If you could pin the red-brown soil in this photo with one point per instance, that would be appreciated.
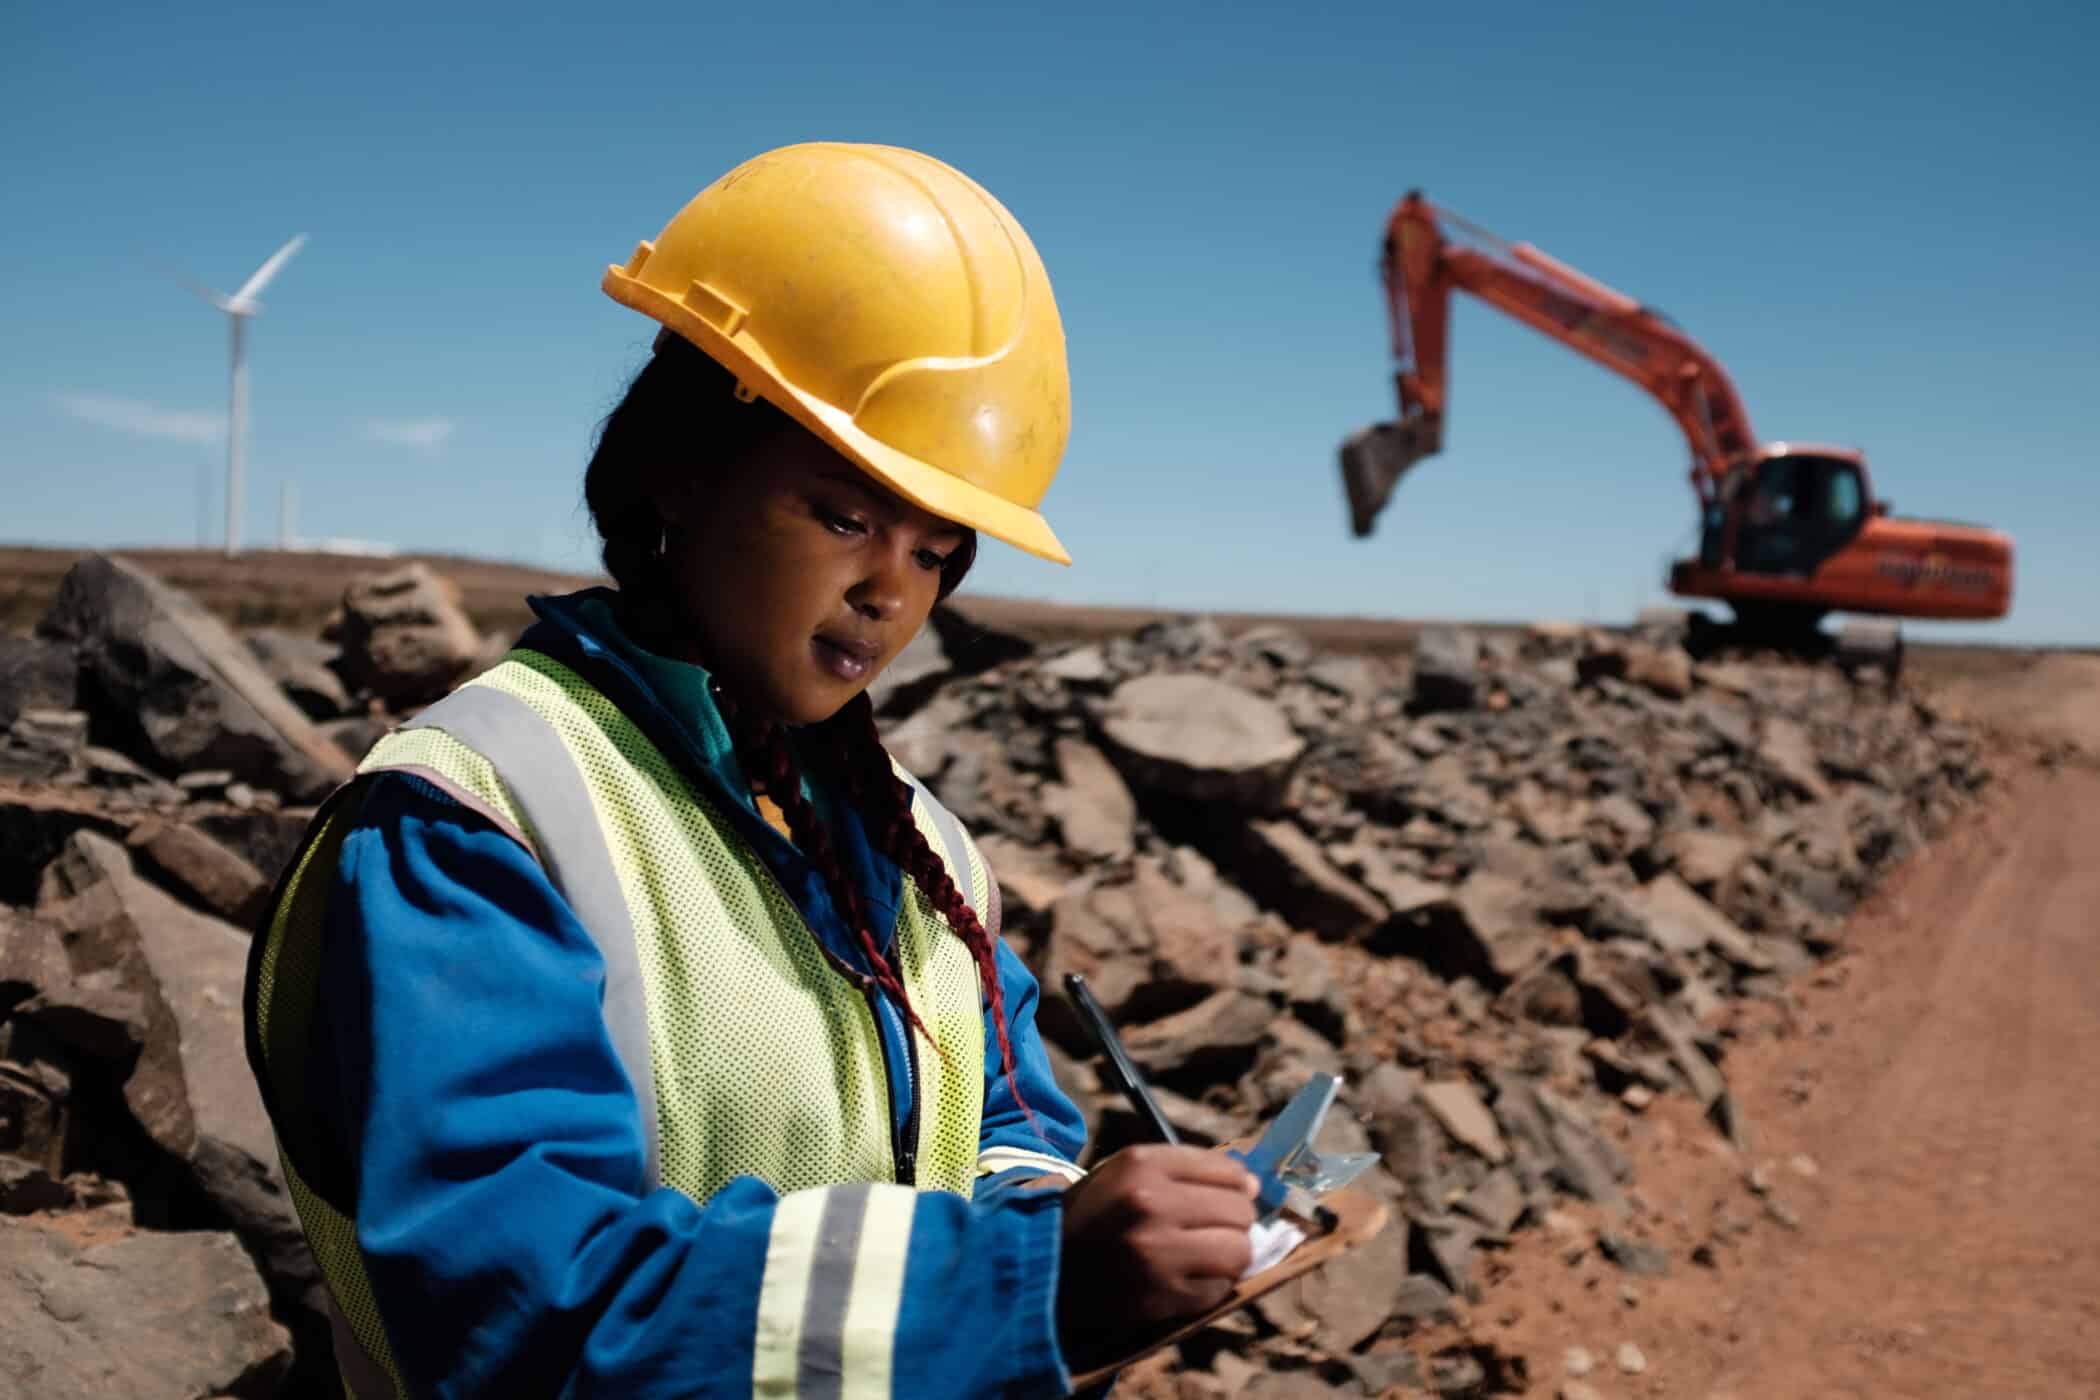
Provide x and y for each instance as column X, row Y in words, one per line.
column 1926, row 1137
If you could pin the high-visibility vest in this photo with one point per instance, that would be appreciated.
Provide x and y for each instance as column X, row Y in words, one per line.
column 750, row 1053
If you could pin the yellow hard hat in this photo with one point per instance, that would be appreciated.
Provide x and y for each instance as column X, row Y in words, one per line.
column 891, row 306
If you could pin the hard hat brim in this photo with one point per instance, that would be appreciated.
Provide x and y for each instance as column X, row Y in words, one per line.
column 922, row 483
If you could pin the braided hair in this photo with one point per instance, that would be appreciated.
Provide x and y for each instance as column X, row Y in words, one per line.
column 681, row 405
column 884, row 802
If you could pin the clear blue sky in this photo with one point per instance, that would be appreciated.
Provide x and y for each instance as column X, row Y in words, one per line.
column 1880, row 218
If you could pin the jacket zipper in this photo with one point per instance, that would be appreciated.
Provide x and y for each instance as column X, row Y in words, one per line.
column 904, row 1145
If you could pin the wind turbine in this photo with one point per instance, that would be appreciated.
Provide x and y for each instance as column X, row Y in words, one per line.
column 238, row 308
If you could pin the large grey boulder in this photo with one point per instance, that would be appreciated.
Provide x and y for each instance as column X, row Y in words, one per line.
column 177, row 689
column 1198, row 738
column 181, row 1314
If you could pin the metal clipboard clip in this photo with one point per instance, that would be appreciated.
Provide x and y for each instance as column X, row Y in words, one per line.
column 1293, row 1175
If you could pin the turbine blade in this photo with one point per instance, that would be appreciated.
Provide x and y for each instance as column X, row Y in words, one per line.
column 188, row 283
column 254, row 285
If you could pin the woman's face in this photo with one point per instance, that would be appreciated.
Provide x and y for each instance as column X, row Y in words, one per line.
column 800, row 577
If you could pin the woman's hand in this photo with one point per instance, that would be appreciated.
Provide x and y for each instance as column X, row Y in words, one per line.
column 1152, row 1234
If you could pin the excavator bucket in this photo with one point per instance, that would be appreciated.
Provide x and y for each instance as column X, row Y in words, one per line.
column 1373, row 461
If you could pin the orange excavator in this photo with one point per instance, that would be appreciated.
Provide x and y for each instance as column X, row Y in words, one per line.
column 1788, row 531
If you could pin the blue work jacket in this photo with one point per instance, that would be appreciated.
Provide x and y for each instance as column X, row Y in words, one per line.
column 461, row 1015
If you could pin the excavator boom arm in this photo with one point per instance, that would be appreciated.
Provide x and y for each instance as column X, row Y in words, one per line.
column 1429, row 252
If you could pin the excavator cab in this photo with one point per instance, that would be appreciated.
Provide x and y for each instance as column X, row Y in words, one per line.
column 1795, row 511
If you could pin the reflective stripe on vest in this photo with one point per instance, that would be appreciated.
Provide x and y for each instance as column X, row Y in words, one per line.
column 561, row 828
column 677, row 902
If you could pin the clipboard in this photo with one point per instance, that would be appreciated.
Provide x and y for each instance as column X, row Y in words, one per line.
column 1353, row 1218
column 1342, row 1219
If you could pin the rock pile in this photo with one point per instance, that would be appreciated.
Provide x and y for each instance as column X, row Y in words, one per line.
column 150, row 767
column 1510, row 892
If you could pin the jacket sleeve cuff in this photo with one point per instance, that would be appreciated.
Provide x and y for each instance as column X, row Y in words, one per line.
column 1042, row 1246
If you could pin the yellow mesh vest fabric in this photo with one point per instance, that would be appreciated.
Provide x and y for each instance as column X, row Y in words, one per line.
column 766, row 1060
column 440, row 753
column 288, row 975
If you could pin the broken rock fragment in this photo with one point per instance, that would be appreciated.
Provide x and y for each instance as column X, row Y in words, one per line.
column 1665, row 670
column 405, row 637
column 1487, row 929
column 1197, row 738
column 1289, row 871
column 1465, row 1117
column 1222, row 1030
column 1096, row 815
column 202, row 870
column 190, row 1090
column 177, row 1313
column 1446, row 669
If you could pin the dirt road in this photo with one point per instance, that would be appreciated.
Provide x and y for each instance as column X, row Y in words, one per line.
column 2051, row 697
column 1932, row 1123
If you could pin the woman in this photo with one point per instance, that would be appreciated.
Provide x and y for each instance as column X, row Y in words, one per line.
column 631, row 1025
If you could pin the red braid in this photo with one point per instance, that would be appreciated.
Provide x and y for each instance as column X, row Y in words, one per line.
column 775, row 762
column 884, row 801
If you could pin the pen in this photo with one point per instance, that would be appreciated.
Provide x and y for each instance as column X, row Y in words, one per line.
column 1120, row 1069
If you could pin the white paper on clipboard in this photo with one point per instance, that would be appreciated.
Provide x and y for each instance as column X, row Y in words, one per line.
column 1273, row 1242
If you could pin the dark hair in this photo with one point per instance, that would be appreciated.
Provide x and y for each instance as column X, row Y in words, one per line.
column 681, row 416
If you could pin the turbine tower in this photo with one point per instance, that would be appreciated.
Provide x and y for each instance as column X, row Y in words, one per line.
column 239, row 308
